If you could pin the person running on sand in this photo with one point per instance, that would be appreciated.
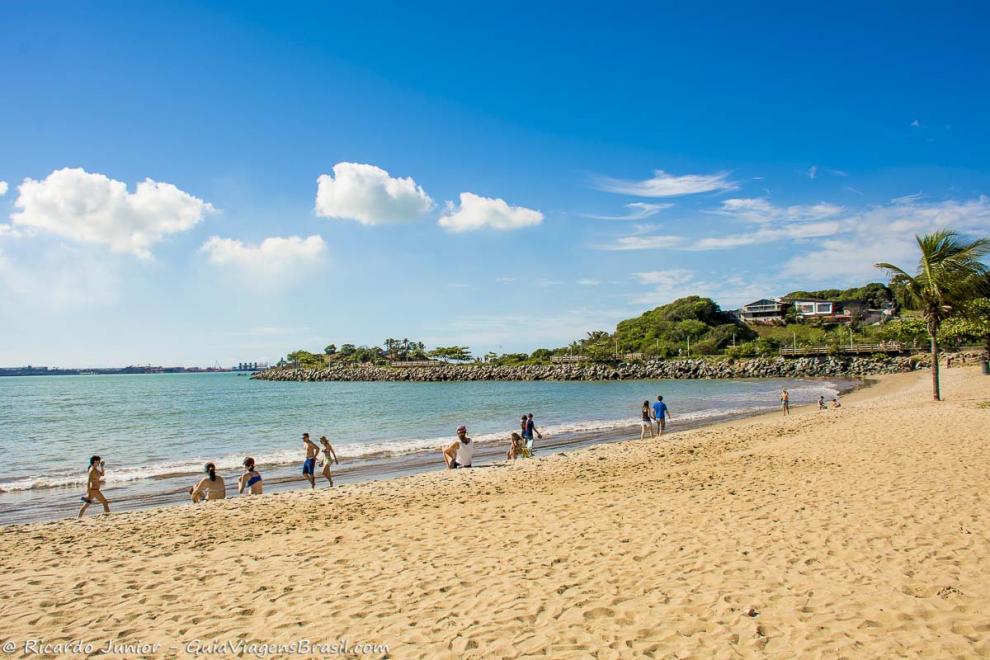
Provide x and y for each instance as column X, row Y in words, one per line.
column 94, row 480
column 516, row 448
column 209, row 487
column 329, row 456
column 460, row 453
column 661, row 414
column 251, row 479
column 646, row 423
column 309, row 465
column 785, row 401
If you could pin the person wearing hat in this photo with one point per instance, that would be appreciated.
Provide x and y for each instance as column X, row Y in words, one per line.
column 460, row 452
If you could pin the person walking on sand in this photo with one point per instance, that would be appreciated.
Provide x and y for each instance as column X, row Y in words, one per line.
column 530, row 431
column 251, row 479
column 460, row 452
column 94, row 481
column 646, row 423
column 785, row 401
column 661, row 414
column 209, row 487
column 309, row 465
column 329, row 456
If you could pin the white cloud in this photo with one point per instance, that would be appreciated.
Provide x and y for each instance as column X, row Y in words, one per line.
column 368, row 194
column 915, row 124
column 886, row 233
column 273, row 262
column 663, row 184
column 478, row 212
column 812, row 171
column 637, row 211
column 3, row 188
column 759, row 210
column 587, row 281
column 669, row 285
column 639, row 242
column 93, row 208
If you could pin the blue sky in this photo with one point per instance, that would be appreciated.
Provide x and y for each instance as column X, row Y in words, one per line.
column 476, row 165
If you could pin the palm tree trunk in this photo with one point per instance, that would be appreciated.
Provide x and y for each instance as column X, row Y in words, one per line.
column 936, row 391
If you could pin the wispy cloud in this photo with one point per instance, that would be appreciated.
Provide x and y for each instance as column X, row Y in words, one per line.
column 637, row 211
column 671, row 284
column 641, row 243
column 587, row 281
column 662, row 184
column 760, row 210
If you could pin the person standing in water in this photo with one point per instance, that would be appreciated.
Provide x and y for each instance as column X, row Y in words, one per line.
column 94, row 481
column 251, row 479
column 460, row 453
column 329, row 456
column 646, row 423
column 209, row 487
column 661, row 414
column 309, row 465
column 785, row 401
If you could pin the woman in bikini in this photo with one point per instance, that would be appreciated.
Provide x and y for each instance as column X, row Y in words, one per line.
column 209, row 487
column 94, row 481
column 329, row 456
column 251, row 479
column 646, row 421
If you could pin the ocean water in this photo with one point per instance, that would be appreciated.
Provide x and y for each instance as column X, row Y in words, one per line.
column 156, row 431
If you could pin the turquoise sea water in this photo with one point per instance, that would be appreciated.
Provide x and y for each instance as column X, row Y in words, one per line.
column 156, row 431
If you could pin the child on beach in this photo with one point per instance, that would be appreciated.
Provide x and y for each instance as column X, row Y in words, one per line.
column 94, row 480
column 516, row 448
column 309, row 465
column 785, row 401
column 209, row 487
column 329, row 456
column 836, row 404
column 251, row 479
column 821, row 403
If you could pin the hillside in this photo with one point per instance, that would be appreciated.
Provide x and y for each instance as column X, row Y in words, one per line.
column 876, row 294
column 666, row 330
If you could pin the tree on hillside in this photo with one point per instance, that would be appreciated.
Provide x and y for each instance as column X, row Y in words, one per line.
column 950, row 275
column 330, row 349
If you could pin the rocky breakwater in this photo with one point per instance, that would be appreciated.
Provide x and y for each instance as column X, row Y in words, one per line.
column 812, row 367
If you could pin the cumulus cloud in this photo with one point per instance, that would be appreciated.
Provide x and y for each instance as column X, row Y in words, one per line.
column 476, row 212
column 271, row 262
column 663, row 184
column 637, row 211
column 370, row 195
column 3, row 188
column 93, row 208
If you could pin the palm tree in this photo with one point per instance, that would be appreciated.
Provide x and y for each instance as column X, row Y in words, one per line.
column 950, row 274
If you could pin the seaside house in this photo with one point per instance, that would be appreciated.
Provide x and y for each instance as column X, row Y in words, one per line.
column 763, row 311
column 834, row 311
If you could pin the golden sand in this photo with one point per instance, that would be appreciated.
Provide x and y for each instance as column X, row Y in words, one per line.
column 859, row 532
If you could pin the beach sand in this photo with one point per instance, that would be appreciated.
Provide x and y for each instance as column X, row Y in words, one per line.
column 858, row 532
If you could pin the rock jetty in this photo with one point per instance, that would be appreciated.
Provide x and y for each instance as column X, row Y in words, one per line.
column 776, row 367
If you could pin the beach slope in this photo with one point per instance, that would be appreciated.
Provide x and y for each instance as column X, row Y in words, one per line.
column 863, row 531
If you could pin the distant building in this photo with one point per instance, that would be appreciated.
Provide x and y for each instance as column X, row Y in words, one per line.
column 763, row 311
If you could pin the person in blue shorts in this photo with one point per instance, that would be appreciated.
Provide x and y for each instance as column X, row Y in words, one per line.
column 661, row 415
column 309, row 465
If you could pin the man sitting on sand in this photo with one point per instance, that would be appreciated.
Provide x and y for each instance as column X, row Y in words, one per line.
column 460, row 453
column 661, row 414
column 209, row 487
column 309, row 465
column 251, row 479
column 94, row 480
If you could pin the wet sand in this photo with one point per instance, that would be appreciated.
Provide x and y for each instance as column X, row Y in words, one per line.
column 858, row 532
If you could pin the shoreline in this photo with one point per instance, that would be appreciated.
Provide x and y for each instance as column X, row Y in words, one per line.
column 170, row 489
column 811, row 534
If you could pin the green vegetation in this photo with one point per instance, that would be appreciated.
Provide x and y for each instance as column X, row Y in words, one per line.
column 692, row 325
column 876, row 295
column 950, row 277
